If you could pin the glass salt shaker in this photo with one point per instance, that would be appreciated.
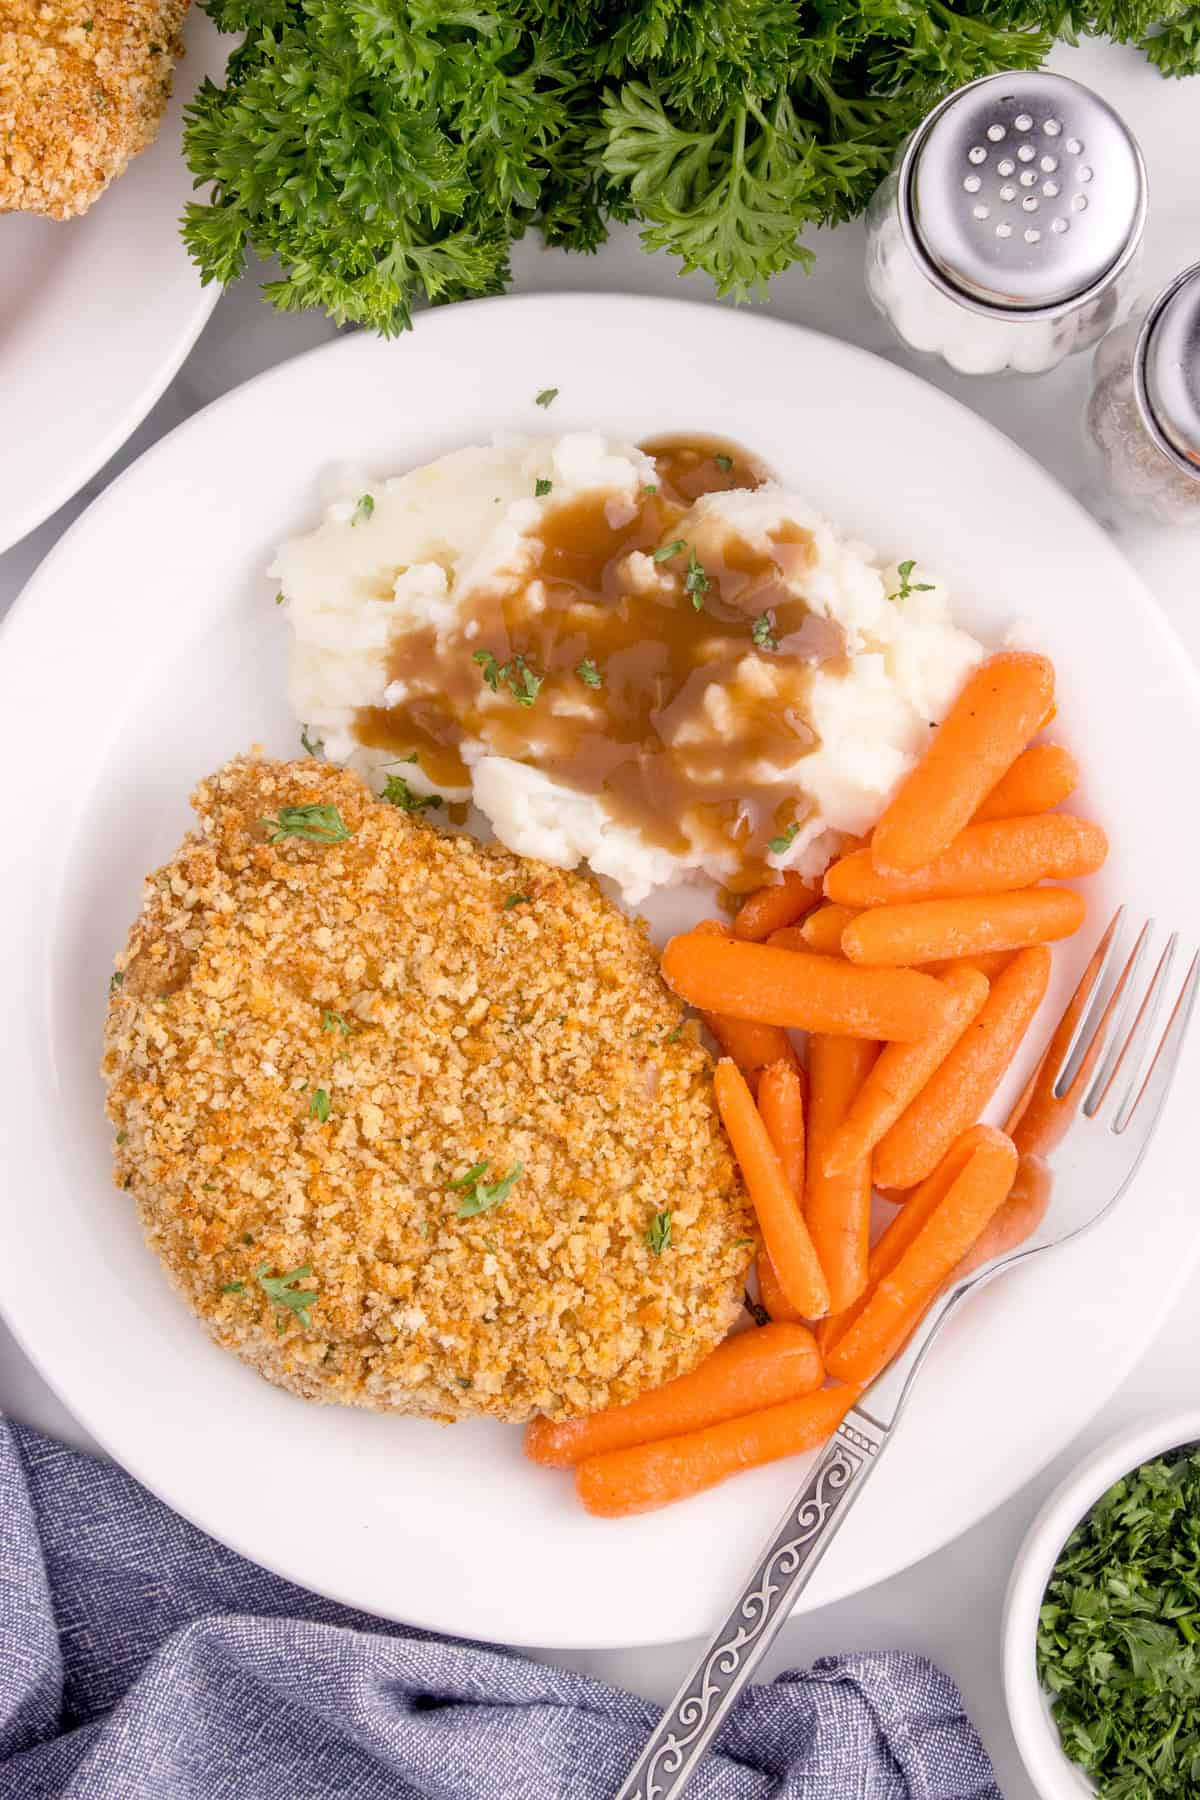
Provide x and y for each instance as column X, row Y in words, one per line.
column 1143, row 413
column 1007, row 236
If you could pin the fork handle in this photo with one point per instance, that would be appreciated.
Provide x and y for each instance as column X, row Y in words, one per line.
column 778, row 1577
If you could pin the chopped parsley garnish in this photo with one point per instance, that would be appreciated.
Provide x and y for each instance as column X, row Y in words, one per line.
column 673, row 1037
column 650, row 487
column 116, row 981
column 280, row 597
column 318, row 824
column 318, row 1106
column 696, row 581
column 282, row 1292
column 740, row 1243
column 541, row 487
column 307, row 744
column 491, row 669
column 480, row 1196
column 907, row 585
column 764, row 632
column 1118, row 1644
column 588, row 673
column 666, row 551
column 724, row 463
column 364, row 506
column 778, row 846
column 547, row 397
column 658, row 1233
column 398, row 793
column 516, row 900
column 234, row 1287
column 334, row 1021
column 516, row 675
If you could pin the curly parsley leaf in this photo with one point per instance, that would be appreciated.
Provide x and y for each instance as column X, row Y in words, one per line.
column 779, row 846
column 763, row 633
column 658, row 1233
column 479, row 1196
column 316, row 824
column 907, row 584
column 397, row 792
column 285, row 1296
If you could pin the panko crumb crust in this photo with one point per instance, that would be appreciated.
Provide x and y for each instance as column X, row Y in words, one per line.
column 83, row 87
column 457, row 1005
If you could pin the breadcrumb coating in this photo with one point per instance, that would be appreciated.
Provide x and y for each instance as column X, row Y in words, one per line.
column 455, row 1005
column 83, row 87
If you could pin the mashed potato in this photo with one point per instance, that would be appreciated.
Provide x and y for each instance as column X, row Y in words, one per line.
column 782, row 683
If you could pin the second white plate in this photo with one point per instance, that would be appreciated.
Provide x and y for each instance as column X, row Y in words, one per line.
column 97, row 313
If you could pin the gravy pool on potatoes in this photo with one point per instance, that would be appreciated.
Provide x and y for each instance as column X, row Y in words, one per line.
column 621, row 658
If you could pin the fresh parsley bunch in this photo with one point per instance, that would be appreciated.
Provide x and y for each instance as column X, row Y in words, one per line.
column 389, row 151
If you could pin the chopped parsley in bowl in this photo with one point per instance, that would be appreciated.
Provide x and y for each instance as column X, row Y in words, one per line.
column 1102, row 1622
column 1118, row 1645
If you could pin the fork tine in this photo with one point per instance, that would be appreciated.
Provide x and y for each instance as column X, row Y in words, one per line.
column 1076, row 1014
column 1158, row 1076
column 1124, row 994
column 1133, row 1049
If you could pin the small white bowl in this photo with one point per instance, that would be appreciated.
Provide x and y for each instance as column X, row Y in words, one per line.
column 1053, row 1774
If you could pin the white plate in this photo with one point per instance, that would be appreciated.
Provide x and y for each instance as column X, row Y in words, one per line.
column 147, row 649
column 97, row 313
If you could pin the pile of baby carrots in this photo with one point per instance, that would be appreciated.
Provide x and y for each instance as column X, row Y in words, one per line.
column 916, row 971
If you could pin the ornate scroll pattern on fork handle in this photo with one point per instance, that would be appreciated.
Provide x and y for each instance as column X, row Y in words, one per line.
column 781, row 1572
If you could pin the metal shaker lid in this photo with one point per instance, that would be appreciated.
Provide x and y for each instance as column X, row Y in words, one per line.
column 1022, row 193
column 1167, row 370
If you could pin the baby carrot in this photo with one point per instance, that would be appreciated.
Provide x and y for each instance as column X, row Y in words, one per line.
column 770, row 908
column 957, row 1093
column 1041, row 777
column 986, row 858
column 779, row 1218
column 902, row 1230
column 1003, row 704
column 814, row 993
column 781, row 1103
column 899, row 1075
column 771, row 1296
column 822, row 931
column 1017, row 1219
column 989, row 963
column 756, row 1368
column 837, row 1208
column 902, row 1295
column 651, row 1475
column 751, row 1045
column 923, row 931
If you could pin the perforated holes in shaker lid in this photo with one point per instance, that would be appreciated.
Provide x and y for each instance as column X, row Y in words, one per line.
column 1167, row 371
column 1022, row 193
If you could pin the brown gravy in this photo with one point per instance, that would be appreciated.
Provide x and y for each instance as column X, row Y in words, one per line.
column 657, row 635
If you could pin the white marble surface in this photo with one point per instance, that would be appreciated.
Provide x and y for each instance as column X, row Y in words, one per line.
column 949, row 1606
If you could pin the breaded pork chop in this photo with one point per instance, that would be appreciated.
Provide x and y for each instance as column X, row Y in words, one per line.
column 83, row 88
column 412, row 1123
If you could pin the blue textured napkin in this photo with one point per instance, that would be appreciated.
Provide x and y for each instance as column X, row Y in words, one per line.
column 140, row 1660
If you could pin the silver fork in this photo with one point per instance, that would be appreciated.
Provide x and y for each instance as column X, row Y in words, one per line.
column 1116, row 1097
